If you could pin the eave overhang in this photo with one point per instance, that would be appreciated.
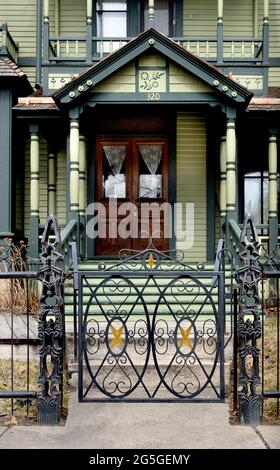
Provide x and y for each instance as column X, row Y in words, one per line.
column 226, row 89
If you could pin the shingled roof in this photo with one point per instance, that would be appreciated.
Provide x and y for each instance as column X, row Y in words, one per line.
column 8, row 68
column 16, row 78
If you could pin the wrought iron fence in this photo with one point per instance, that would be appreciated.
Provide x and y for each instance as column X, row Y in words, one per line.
column 151, row 329
column 19, row 344
column 31, row 377
column 256, row 391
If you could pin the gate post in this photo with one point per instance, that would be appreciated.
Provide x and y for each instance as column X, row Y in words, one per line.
column 249, row 326
column 50, row 328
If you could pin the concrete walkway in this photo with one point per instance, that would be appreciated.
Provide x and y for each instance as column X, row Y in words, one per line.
column 146, row 426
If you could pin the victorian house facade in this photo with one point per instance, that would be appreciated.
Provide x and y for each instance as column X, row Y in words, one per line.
column 141, row 101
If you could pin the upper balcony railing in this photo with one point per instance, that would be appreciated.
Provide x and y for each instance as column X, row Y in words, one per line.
column 7, row 44
column 77, row 49
column 218, row 49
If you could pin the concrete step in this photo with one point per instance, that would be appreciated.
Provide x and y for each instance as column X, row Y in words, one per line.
column 184, row 380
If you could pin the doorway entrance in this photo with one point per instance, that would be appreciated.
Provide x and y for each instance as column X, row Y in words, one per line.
column 132, row 178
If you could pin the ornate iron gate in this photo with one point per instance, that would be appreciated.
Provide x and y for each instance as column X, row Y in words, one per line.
column 151, row 329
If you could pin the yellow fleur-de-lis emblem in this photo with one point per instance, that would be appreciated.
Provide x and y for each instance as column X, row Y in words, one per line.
column 117, row 340
column 151, row 262
column 185, row 340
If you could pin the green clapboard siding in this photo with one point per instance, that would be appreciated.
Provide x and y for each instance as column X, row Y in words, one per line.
column 181, row 81
column 43, row 195
column 20, row 15
column 121, row 81
column 274, row 9
column 274, row 49
column 191, row 177
column 73, row 17
column 61, row 189
column 200, row 18
column 274, row 76
column 31, row 74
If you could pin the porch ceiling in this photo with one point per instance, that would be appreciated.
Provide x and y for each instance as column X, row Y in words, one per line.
column 222, row 88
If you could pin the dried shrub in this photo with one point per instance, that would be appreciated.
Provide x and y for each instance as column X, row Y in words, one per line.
column 19, row 295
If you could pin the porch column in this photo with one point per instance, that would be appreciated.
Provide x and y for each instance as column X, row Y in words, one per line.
column 223, row 181
column 151, row 13
column 82, row 195
column 266, row 32
column 46, row 11
column 74, row 166
column 82, row 176
column 34, row 191
column 256, row 18
column 89, row 31
column 272, row 190
column 231, row 168
column 51, row 183
column 220, row 32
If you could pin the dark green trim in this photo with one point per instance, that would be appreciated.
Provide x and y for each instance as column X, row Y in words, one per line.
column 133, row 13
column 39, row 41
column 220, row 43
column 5, row 159
column 91, row 152
column 152, row 40
column 165, row 97
column 172, row 172
column 68, row 212
column 33, row 241
column 210, row 187
column 274, row 62
column 179, row 17
column 89, row 44
column 266, row 43
column 27, row 61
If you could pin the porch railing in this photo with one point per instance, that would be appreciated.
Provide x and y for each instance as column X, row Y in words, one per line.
column 79, row 49
column 7, row 44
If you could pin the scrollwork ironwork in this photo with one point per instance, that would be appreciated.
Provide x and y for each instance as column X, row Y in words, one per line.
column 249, row 325
column 151, row 335
column 50, row 327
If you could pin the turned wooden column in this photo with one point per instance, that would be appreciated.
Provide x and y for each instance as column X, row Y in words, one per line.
column 223, row 180
column 34, row 191
column 231, row 168
column 51, row 182
column 74, row 165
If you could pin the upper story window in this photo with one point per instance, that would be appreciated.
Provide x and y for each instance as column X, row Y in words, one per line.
column 162, row 18
column 127, row 18
column 111, row 18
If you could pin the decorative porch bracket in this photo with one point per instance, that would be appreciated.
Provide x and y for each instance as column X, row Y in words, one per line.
column 249, row 326
column 50, row 327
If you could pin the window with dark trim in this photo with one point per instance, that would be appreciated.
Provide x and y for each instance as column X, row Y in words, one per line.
column 163, row 16
column 256, row 195
column 127, row 18
column 111, row 18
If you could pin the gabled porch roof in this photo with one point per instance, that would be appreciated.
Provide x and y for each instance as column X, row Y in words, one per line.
column 151, row 41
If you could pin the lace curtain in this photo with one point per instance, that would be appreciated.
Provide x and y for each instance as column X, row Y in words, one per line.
column 114, row 185
column 151, row 185
column 115, row 156
column 152, row 156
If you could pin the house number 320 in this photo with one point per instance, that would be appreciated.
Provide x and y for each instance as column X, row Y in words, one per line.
column 153, row 96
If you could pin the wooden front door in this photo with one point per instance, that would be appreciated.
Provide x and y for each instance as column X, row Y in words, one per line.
column 131, row 170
